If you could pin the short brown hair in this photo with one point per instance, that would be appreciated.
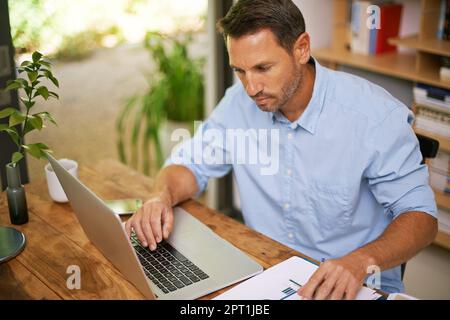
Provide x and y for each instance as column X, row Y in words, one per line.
column 282, row 17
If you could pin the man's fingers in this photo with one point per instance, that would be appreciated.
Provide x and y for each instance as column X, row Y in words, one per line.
column 136, row 224
column 167, row 222
column 128, row 227
column 155, row 222
column 307, row 291
column 339, row 289
column 327, row 286
column 151, row 223
column 352, row 290
column 147, row 229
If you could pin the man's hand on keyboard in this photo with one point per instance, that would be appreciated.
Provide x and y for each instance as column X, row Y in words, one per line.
column 152, row 222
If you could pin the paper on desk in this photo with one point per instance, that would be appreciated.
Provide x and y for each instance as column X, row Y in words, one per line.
column 281, row 282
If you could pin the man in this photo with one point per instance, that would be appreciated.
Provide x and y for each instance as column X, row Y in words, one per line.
column 349, row 189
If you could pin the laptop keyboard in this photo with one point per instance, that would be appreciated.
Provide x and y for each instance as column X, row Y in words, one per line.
column 166, row 267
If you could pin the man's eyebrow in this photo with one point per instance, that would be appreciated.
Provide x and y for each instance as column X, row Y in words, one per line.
column 261, row 64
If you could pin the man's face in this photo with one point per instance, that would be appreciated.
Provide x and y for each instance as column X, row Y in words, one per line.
column 267, row 71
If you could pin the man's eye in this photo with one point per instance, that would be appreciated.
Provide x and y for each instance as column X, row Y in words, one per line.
column 263, row 68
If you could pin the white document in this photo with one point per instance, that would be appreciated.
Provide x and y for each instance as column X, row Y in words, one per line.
column 281, row 282
column 400, row 296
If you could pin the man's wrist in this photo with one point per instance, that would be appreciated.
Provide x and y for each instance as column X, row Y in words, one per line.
column 162, row 195
column 366, row 260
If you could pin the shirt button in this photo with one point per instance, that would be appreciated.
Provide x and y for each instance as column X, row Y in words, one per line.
column 290, row 235
column 290, row 136
column 286, row 206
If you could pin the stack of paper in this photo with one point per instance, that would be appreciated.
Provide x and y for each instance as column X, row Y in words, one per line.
column 281, row 282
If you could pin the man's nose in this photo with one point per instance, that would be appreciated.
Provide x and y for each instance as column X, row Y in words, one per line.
column 253, row 87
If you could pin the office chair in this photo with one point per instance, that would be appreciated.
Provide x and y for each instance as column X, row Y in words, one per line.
column 428, row 148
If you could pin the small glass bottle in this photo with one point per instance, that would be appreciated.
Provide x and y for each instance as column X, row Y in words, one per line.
column 15, row 192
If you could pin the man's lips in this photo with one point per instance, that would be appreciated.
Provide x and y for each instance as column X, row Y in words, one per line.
column 262, row 99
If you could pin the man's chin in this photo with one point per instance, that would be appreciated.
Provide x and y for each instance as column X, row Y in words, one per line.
column 267, row 107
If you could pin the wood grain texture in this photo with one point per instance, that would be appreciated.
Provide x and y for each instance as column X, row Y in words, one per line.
column 49, row 252
column 18, row 283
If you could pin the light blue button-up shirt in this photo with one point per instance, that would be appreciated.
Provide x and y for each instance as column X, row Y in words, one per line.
column 337, row 176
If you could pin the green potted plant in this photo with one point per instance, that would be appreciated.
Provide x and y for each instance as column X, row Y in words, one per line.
column 174, row 99
column 18, row 124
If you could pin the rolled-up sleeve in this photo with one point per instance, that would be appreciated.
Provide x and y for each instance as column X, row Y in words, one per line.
column 205, row 154
column 395, row 174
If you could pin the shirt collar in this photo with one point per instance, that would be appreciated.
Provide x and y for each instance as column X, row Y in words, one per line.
column 310, row 117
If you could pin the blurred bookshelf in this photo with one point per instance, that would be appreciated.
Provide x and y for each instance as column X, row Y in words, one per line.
column 420, row 64
column 442, row 199
column 391, row 64
column 444, row 142
column 433, row 46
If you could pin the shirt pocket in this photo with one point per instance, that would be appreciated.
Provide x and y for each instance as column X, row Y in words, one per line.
column 331, row 206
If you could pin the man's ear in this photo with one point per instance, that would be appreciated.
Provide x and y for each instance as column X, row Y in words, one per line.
column 302, row 50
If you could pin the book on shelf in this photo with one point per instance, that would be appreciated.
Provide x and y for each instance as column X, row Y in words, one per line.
column 390, row 17
column 444, row 72
column 432, row 121
column 432, row 127
column 439, row 169
column 443, row 19
column 366, row 39
column 432, row 96
column 432, row 112
column 446, row 32
column 360, row 33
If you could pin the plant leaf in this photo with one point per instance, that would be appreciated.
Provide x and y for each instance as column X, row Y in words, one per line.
column 37, row 150
column 16, row 157
column 13, row 134
column 43, row 146
column 46, row 63
column 27, row 103
column 28, row 128
column 43, row 91
column 32, row 76
column 25, row 63
column 53, row 94
column 23, row 82
column 36, row 56
column 7, row 112
column 36, row 122
column 46, row 116
column 54, row 80
column 13, row 85
column 120, row 126
column 16, row 118
column 49, row 75
column 33, row 150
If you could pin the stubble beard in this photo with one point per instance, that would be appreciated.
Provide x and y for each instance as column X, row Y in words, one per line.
column 288, row 90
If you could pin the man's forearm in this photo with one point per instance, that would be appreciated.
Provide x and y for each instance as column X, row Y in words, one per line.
column 174, row 184
column 402, row 239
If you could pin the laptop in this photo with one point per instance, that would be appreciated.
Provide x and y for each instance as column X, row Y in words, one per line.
column 192, row 262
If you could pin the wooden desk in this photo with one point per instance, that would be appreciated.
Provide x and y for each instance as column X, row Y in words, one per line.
column 56, row 241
